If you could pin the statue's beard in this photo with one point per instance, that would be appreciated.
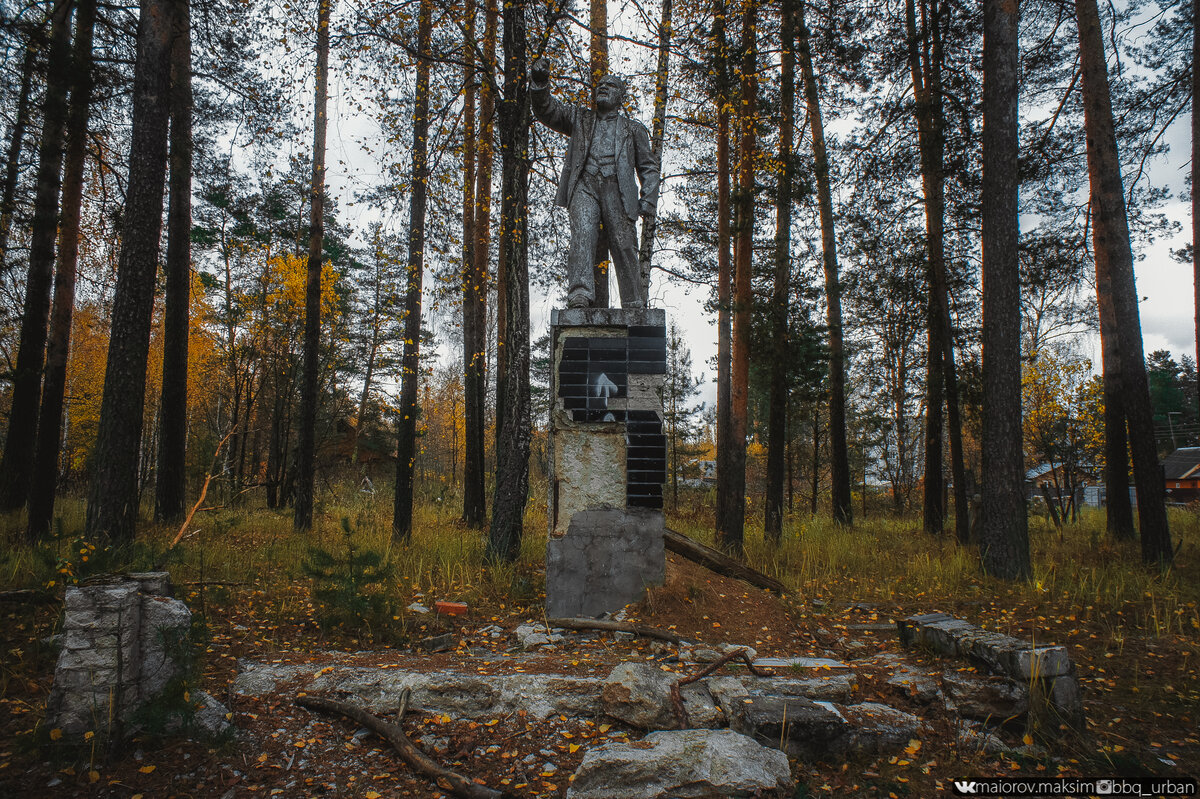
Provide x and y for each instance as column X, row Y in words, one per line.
column 604, row 106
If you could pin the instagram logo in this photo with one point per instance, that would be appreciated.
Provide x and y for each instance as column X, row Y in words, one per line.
column 1104, row 786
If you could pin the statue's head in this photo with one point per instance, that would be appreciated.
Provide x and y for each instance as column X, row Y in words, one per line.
column 610, row 93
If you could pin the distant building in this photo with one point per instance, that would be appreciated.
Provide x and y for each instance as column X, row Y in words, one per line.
column 1181, row 474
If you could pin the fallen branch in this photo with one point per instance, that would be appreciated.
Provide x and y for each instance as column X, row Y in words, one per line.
column 28, row 596
column 203, row 492
column 733, row 654
column 206, row 583
column 408, row 751
column 615, row 627
column 718, row 562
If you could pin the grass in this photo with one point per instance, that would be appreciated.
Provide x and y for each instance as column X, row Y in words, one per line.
column 1133, row 631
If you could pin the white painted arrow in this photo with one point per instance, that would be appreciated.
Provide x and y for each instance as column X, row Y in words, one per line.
column 605, row 387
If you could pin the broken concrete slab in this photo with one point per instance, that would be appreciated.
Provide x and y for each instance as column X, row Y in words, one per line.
column 685, row 764
column 976, row 696
column 639, row 694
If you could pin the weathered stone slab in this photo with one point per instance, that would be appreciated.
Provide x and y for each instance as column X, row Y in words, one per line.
column 1001, row 653
column 876, row 728
column 985, row 698
column 604, row 562
column 806, row 729
column 639, row 694
column 800, row 663
column 454, row 693
column 607, row 317
column 821, row 730
column 688, row 764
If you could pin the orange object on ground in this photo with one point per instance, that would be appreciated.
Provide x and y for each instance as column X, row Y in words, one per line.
column 450, row 608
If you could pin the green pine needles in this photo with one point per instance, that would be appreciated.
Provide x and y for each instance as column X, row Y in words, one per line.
column 348, row 585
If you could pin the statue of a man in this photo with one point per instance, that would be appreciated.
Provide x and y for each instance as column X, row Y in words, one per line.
column 607, row 157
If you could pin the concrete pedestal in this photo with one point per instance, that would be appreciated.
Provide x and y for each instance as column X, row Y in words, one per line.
column 608, row 458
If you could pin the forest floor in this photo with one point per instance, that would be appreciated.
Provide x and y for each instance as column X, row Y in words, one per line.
column 1133, row 634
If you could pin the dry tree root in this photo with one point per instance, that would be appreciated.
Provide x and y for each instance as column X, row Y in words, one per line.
column 616, row 627
column 677, row 698
column 408, row 751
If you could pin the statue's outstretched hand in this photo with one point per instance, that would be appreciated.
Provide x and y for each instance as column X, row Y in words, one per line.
column 540, row 71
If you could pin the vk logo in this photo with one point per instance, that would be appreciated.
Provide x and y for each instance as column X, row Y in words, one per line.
column 964, row 787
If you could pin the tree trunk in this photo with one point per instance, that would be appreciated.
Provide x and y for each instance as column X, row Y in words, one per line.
column 49, row 431
column 483, row 227
column 1195, row 182
column 731, row 537
column 474, row 295
column 1118, row 507
column 306, row 450
column 927, row 90
column 816, row 457
column 728, row 511
column 171, row 485
column 1003, row 531
column 657, row 132
column 373, row 351
column 406, row 445
column 31, row 351
column 12, row 170
column 777, row 414
column 1110, row 241
column 839, row 456
column 113, row 495
column 513, row 436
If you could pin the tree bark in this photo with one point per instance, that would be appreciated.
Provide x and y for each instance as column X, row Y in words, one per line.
column 731, row 537
column 839, row 456
column 113, row 495
column 777, row 413
column 406, row 446
column 46, row 457
column 16, row 143
column 306, row 450
column 474, row 290
column 657, row 132
column 483, row 214
column 21, row 440
column 1195, row 183
column 927, row 91
column 513, row 437
column 1118, row 507
column 171, row 479
column 1003, row 531
column 728, row 512
column 1110, row 241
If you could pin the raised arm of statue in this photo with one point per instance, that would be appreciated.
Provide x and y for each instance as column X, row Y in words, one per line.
column 552, row 113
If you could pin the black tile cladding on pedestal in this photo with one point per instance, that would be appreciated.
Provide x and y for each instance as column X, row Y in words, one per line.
column 594, row 370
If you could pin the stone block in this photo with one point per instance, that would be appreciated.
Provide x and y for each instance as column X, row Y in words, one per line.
column 942, row 636
column 1040, row 662
column 803, row 728
column 604, row 562
column 607, row 317
column 876, row 728
column 153, row 583
column 1067, row 700
column 166, row 624
column 639, row 694
column 688, row 764
column 985, row 698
